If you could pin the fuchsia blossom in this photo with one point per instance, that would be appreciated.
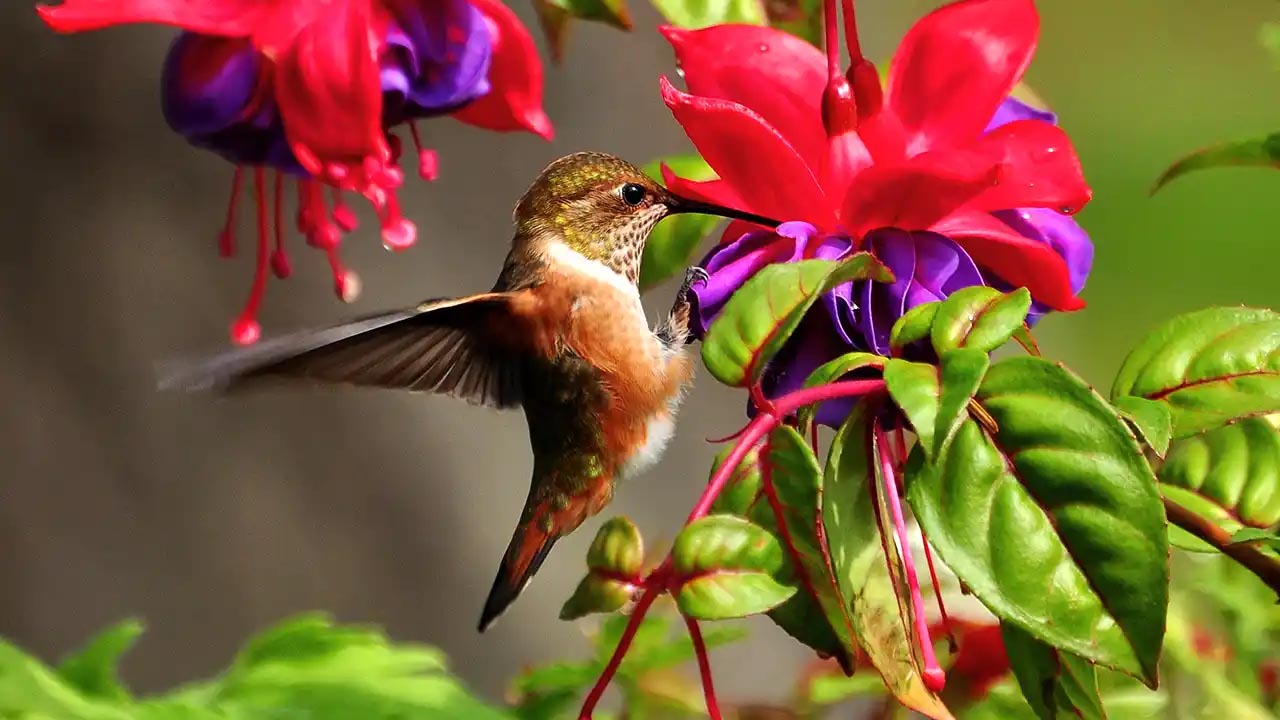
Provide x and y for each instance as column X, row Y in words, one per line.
column 948, row 179
column 312, row 89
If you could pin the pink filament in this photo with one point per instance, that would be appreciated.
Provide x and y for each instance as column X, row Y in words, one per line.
column 246, row 330
column 428, row 161
column 280, row 258
column 343, row 215
column 934, row 678
column 227, row 238
column 937, row 593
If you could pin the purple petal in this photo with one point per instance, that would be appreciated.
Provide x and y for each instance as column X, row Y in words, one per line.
column 1063, row 234
column 813, row 344
column 729, row 266
column 208, row 95
column 437, row 57
column 927, row 267
column 1014, row 109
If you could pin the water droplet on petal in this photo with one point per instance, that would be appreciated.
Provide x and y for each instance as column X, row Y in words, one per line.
column 764, row 48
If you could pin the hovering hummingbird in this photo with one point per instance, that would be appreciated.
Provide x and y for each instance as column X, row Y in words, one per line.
column 561, row 334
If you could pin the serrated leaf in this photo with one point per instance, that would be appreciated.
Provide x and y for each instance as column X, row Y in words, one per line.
column 1254, row 535
column 978, row 317
column 830, row 372
column 704, row 13
column 555, row 15
column 1151, row 419
column 793, row 473
column 1254, row 152
column 1210, row 367
column 762, row 314
column 936, row 399
column 915, row 325
column 1052, row 681
column 93, row 670
column 1055, row 523
column 1230, row 475
column 672, row 243
column 883, row 625
column 725, row 567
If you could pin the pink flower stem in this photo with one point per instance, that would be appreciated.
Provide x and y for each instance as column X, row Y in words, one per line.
column 658, row 581
column 704, row 667
column 851, row 33
column 934, row 678
column 831, row 39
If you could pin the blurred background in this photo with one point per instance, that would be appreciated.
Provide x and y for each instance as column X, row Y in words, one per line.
column 212, row 518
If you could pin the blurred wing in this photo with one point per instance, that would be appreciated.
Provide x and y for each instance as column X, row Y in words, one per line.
column 465, row 347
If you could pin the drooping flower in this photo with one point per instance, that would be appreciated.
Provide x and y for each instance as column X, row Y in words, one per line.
column 313, row 89
column 939, row 172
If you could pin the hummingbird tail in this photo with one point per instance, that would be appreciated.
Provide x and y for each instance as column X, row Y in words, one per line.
column 529, row 547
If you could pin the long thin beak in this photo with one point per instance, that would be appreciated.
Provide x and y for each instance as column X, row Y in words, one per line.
column 677, row 204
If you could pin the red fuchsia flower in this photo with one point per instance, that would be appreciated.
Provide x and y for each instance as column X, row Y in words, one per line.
column 939, row 172
column 313, row 88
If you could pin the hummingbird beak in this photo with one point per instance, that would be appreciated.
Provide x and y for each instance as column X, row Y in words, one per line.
column 676, row 204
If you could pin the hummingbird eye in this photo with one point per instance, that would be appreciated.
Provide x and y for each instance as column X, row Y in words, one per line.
column 632, row 194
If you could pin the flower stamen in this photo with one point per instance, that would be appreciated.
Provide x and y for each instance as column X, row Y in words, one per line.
column 952, row 646
column 227, row 238
column 280, row 259
column 428, row 161
column 343, row 215
column 246, row 330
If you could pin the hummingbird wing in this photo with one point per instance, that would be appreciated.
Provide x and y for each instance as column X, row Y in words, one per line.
column 465, row 347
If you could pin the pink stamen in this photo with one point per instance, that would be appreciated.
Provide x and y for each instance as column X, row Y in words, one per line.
column 937, row 593
column 246, row 330
column 280, row 259
column 934, row 678
column 398, row 233
column 346, row 283
column 704, row 667
column 343, row 215
column 428, row 161
column 851, row 32
column 320, row 231
column 227, row 238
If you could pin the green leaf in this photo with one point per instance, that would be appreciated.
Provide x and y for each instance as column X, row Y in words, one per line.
column 1151, row 419
column 93, row 670
column 1210, row 367
column 796, row 480
column 1055, row 523
column 596, row 594
column 726, row 567
column 830, row 372
column 1255, row 152
column 936, row 399
column 1270, row 37
column 704, row 13
column 1254, row 535
column 672, row 243
column 764, row 312
column 312, row 668
column 915, row 325
column 555, row 15
column 30, row 690
column 1052, row 681
column 742, row 492
column 883, row 625
column 979, row 317
column 1230, row 475
column 829, row 689
column 613, row 567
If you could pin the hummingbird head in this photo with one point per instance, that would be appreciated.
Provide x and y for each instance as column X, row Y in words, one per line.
column 603, row 207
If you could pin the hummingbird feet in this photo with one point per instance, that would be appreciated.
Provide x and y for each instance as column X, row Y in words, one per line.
column 674, row 331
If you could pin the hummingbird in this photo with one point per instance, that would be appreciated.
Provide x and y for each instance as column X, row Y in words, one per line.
column 562, row 334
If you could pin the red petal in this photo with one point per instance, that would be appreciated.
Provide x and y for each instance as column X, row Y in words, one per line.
column 1038, row 168
column 515, row 100
column 1018, row 260
column 773, row 73
column 915, row 194
column 956, row 65
column 328, row 89
column 749, row 154
column 716, row 192
column 232, row 18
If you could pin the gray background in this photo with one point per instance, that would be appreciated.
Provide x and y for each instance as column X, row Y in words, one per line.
column 210, row 519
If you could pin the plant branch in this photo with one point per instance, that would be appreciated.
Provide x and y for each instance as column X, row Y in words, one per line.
column 760, row 426
column 1265, row 566
column 704, row 666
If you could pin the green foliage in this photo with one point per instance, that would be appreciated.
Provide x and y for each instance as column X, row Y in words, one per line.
column 832, row 371
column 1255, row 152
column 702, row 13
column 1054, row 682
column 673, row 242
column 304, row 667
column 726, row 567
column 979, row 317
column 763, row 313
column 1230, row 476
column 1151, row 419
column 613, row 567
column 1054, row 520
column 1209, row 367
column 555, row 17
column 936, row 399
